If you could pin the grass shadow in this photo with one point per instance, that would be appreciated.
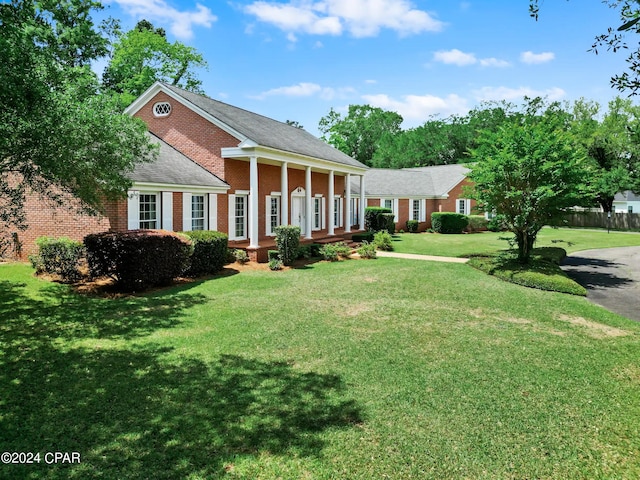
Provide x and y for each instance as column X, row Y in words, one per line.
column 593, row 273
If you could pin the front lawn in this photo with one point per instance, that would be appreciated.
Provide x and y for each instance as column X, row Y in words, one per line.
column 570, row 239
column 386, row 368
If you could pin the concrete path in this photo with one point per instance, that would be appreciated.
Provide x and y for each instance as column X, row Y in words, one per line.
column 414, row 256
column 611, row 277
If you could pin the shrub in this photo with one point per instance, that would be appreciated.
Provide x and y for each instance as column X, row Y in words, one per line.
column 273, row 255
column 362, row 237
column 477, row 223
column 138, row 259
column 497, row 224
column 332, row 251
column 383, row 241
column 374, row 220
column 58, row 256
column 209, row 252
column 390, row 224
column 412, row 226
column 288, row 241
column 367, row 250
column 449, row 222
column 275, row 264
column 240, row 256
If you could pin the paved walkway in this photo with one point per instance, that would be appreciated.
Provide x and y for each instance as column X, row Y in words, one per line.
column 414, row 256
column 611, row 277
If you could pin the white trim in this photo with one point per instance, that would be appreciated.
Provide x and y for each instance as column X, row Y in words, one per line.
column 267, row 213
column 177, row 188
column 467, row 205
column 159, row 105
column 232, row 217
column 186, row 212
column 133, row 210
column 167, row 211
column 213, row 211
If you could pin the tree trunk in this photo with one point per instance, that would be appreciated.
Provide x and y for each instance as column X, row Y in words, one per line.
column 606, row 203
column 525, row 242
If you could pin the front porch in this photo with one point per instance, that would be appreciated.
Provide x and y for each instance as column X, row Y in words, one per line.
column 260, row 254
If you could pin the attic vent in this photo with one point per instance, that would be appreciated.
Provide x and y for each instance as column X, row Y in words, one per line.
column 161, row 109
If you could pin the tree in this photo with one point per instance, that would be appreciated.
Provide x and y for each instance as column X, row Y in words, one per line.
column 144, row 55
column 57, row 134
column 530, row 171
column 615, row 39
column 360, row 132
column 612, row 147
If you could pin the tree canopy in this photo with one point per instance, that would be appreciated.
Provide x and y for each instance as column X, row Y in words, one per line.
column 530, row 170
column 57, row 133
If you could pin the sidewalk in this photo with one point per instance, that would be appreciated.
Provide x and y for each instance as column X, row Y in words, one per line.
column 430, row 258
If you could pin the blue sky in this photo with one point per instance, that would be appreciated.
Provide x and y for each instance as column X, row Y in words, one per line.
column 296, row 59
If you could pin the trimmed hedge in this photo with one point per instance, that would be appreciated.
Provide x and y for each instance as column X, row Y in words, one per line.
column 477, row 223
column 138, row 259
column 412, row 226
column 374, row 219
column 448, row 222
column 288, row 241
column 362, row 237
column 209, row 252
column 388, row 219
column 58, row 256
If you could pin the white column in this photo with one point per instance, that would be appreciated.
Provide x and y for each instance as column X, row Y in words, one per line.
column 347, row 199
column 363, row 201
column 284, row 191
column 253, row 202
column 308, row 217
column 332, row 227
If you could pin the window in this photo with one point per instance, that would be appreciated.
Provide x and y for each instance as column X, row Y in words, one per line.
column 197, row 212
column 630, row 209
column 462, row 206
column 273, row 213
column 148, row 211
column 388, row 203
column 391, row 204
column 161, row 109
column 337, row 212
column 415, row 210
column 317, row 213
column 240, row 216
column 355, row 212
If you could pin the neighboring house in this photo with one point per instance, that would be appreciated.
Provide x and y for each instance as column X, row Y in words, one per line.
column 415, row 193
column 626, row 202
column 223, row 168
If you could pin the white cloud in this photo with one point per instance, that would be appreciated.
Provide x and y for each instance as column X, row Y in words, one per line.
column 306, row 89
column 494, row 62
column 420, row 107
column 534, row 58
column 455, row 57
column 506, row 93
column 462, row 59
column 180, row 23
column 361, row 18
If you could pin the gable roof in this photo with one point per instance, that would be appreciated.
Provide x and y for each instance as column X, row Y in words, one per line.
column 264, row 131
column 430, row 182
column 174, row 168
column 626, row 196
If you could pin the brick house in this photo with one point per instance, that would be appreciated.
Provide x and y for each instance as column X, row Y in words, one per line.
column 415, row 193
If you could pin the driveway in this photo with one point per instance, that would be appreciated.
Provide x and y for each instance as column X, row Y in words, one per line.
column 611, row 277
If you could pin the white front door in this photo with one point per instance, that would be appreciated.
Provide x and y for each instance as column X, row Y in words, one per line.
column 298, row 212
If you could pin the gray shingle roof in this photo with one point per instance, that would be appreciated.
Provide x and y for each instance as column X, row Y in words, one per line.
column 428, row 182
column 172, row 167
column 627, row 196
column 265, row 131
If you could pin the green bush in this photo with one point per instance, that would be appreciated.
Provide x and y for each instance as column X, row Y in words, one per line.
column 477, row 223
column 240, row 256
column 449, row 222
column 362, row 237
column 390, row 224
column 273, row 255
column 383, row 241
column 374, row 220
column 412, row 226
column 367, row 250
column 138, row 259
column 209, row 252
column 288, row 241
column 332, row 251
column 275, row 264
column 497, row 224
column 58, row 256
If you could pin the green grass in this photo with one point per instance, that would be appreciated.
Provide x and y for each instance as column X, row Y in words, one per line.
column 358, row 369
column 571, row 240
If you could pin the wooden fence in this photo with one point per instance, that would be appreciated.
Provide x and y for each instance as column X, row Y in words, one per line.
column 618, row 221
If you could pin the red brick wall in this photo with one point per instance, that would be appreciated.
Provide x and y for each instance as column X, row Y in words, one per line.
column 189, row 133
column 449, row 204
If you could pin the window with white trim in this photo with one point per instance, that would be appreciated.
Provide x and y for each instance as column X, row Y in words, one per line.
column 462, row 206
column 417, row 209
column 161, row 109
column 388, row 203
column 273, row 218
column 630, row 209
column 355, row 211
column 240, row 217
column 317, row 213
column 148, row 215
column 198, row 212
column 337, row 212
